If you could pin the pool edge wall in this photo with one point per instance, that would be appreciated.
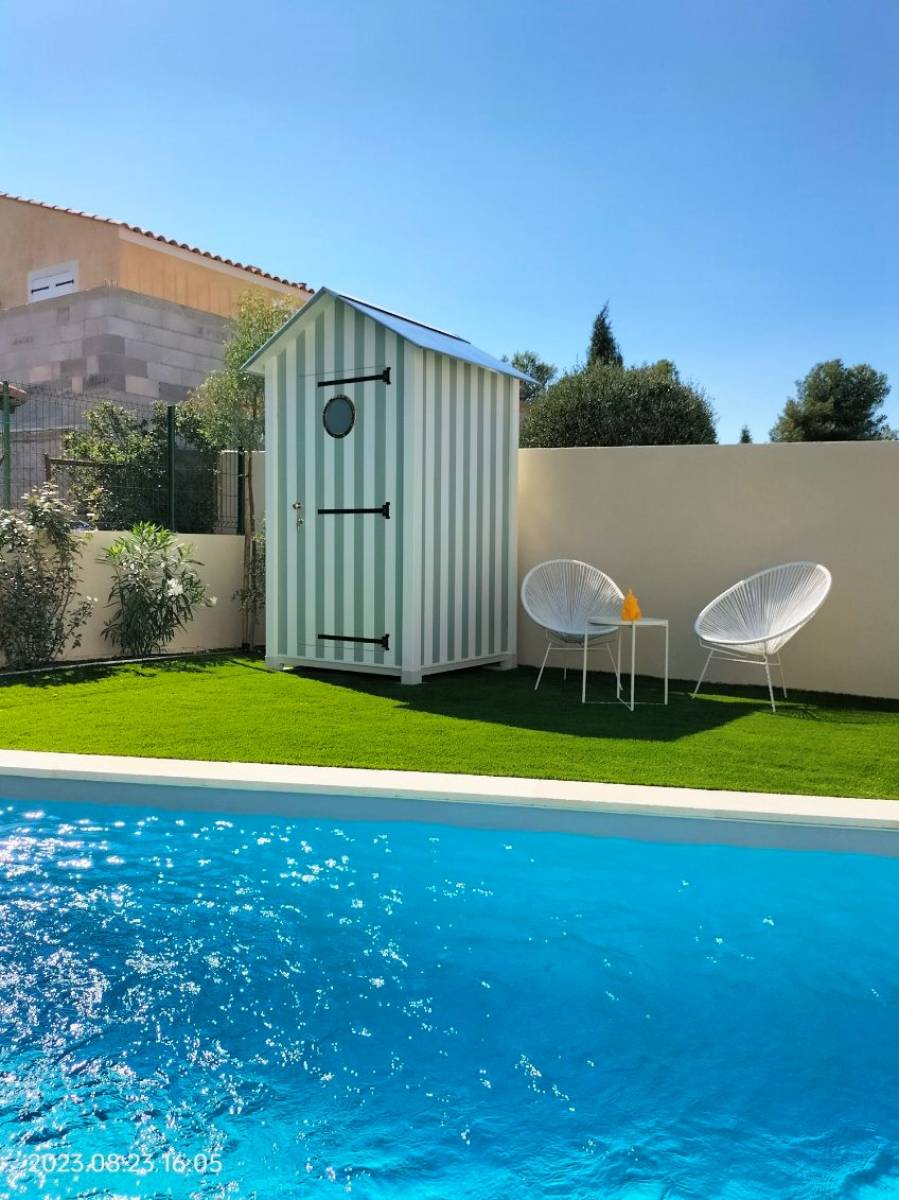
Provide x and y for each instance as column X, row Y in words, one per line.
column 478, row 802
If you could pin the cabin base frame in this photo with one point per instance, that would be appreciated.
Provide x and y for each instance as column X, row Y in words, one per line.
column 409, row 676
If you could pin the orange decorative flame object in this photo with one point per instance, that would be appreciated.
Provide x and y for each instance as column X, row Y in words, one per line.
column 630, row 609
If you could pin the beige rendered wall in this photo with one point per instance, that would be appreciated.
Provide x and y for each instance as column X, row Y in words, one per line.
column 33, row 237
column 213, row 628
column 679, row 524
column 157, row 270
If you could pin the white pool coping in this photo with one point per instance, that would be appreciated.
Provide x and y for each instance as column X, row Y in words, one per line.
column 569, row 796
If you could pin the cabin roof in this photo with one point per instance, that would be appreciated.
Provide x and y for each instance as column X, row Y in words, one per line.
column 428, row 337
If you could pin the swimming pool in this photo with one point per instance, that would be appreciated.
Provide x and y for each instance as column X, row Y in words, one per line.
column 203, row 1005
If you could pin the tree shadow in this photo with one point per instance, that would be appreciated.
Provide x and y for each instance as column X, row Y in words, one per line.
column 507, row 698
column 57, row 676
column 48, row 677
column 835, row 708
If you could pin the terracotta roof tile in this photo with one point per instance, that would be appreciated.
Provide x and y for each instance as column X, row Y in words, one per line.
column 158, row 237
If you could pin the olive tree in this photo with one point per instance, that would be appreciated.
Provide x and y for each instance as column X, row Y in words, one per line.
column 230, row 407
column 531, row 364
column 608, row 405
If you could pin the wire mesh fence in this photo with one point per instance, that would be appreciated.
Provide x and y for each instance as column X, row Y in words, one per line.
column 117, row 461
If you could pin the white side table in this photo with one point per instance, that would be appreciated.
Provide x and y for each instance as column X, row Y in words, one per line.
column 644, row 622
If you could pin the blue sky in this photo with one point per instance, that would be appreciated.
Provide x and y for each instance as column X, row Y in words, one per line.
column 724, row 172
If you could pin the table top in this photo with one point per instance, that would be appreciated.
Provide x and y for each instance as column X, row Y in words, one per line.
column 621, row 621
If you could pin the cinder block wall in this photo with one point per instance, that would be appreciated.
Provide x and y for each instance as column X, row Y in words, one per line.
column 112, row 342
column 679, row 524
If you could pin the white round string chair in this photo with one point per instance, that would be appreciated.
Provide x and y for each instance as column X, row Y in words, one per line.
column 565, row 597
column 753, row 620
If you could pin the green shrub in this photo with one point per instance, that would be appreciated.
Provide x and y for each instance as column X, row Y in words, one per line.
column 608, row 405
column 155, row 589
column 836, row 403
column 121, row 468
column 41, row 610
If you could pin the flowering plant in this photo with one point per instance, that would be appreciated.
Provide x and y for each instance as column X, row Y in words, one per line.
column 41, row 610
column 155, row 589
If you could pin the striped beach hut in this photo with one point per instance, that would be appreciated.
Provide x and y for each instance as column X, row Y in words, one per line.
column 390, row 494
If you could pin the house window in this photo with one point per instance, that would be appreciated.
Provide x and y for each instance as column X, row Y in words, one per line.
column 46, row 282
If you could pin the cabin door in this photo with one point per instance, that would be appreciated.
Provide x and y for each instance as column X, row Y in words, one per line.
column 347, row 508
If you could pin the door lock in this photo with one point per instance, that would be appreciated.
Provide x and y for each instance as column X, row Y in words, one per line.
column 297, row 507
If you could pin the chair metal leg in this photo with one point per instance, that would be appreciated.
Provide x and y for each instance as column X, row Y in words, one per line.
column 542, row 665
column 770, row 687
column 783, row 682
column 702, row 676
column 618, row 665
column 616, row 668
column 584, row 674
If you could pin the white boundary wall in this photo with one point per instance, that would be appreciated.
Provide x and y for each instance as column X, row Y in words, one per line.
column 215, row 628
column 679, row 524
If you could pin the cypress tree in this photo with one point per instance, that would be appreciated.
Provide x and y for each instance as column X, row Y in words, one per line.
column 603, row 348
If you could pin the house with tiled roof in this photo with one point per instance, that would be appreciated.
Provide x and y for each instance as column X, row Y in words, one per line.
column 101, row 307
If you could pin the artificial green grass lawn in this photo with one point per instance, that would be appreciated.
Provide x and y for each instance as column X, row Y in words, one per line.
column 477, row 721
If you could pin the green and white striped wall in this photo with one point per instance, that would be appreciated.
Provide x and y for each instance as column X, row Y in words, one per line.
column 468, row 488
column 440, row 444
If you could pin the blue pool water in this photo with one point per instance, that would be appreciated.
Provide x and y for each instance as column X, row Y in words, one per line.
column 257, row 1008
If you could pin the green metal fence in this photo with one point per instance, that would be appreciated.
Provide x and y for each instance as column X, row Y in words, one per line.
column 116, row 461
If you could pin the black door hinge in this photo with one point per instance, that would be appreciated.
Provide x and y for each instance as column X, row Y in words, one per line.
column 384, row 641
column 382, row 510
column 381, row 377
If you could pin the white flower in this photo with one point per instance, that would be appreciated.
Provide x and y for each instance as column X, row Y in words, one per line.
column 213, row 601
column 175, row 588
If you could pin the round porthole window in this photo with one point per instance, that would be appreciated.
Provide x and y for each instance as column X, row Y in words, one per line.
column 339, row 416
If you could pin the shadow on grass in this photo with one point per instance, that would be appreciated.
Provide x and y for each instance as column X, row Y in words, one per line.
column 508, row 698
column 62, row 676
column 835, row 709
